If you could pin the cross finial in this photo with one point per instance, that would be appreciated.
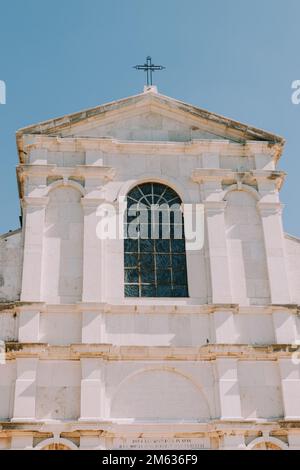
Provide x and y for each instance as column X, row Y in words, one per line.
column 149, row 68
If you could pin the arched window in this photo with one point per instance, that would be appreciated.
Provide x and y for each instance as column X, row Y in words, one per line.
column 154, row 250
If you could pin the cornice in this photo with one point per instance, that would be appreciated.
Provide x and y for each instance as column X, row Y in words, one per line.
column 202, row 175
column 115, row 428
column 109, row 352
column 85, row 171
column 34, row 202
column 223, row 147
column 268, row 208
column 157, row 309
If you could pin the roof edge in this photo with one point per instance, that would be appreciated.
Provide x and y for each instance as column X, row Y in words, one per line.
column 69, row 119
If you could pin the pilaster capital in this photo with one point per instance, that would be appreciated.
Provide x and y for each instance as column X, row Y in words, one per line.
column 214, row 206
column 269, row 208
column 89, row 203
column 30, row 201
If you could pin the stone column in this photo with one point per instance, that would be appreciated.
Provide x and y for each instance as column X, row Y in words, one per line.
column 96, row 176
column 34, row 209
column 290, row 384
column 230, row 402
column 34, row 218
column 218, row 256
column 275, row 252
column 93, row 274
column 92, row 406
column 25, row 390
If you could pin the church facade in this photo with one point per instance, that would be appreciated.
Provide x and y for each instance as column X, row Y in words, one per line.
column 113, row 341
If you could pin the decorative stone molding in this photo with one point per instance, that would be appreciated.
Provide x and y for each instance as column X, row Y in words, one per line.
column 192, row 147
column 85, row 171
column 157, row 309
column 242, row 187
column 90, row 203
column 268, row 208
column 64, row 175
column 215, row 206
column 148, row 353
column 201, row 175
column 28, row 202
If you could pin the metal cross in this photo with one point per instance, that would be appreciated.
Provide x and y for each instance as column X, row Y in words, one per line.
column 149, row 68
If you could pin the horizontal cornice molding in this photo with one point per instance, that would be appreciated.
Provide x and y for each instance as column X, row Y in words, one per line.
column 85, row 171
column 119, row 428
column 109, row 352
column 269, row 208
column 107, row 144
column 201, row 175
column 34, row 201
column 157, row 309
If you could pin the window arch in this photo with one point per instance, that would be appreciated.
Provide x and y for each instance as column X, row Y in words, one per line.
column 154, row 243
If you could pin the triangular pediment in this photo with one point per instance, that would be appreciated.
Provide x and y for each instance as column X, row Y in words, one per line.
column 145, row 124
column 150, row 116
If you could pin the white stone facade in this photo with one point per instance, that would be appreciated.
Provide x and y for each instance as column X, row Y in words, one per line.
column 86, row 367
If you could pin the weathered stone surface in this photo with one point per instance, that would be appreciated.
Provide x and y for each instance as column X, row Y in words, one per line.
column 85, row 367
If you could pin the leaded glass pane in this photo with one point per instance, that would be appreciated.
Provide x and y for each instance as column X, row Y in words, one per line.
column 180, row 291
column 178, row 246
column 131, row 275
column 148, row 277
column 164, row 276
column 179, row 277
column 164, row 291
column 131, row 260
column 131, row 290
column 146, row 246
column 163, row 246
column 130, row 245
column 148, row 291
column 154, row 259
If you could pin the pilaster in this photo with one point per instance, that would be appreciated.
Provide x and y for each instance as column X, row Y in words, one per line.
column 34, row 218
column 218, row 255
column 25, row 390
column 92, row 390
column 274, row 244
column 229, row 392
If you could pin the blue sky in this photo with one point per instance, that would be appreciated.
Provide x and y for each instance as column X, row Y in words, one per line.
column 234, row 57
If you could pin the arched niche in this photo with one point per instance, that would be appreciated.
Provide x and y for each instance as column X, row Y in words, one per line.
column 63, row 246
column 160, row 394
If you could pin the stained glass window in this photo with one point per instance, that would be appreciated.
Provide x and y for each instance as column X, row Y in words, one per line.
column 154, row 247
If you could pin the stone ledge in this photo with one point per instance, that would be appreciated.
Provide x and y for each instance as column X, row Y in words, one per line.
column 109, row 352
column 115, row 428
column 156, row 309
